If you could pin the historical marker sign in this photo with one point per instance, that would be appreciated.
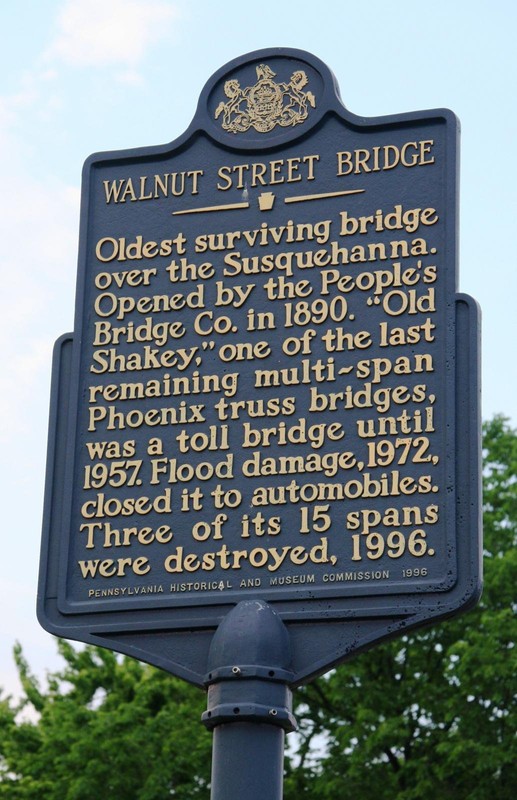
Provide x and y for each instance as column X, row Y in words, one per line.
column 271, row 391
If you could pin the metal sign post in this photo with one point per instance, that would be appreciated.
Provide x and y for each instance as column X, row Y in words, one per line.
column 266, row 422
column 249, row 703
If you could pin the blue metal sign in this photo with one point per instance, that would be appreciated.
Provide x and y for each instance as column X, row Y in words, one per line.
column 271, row 391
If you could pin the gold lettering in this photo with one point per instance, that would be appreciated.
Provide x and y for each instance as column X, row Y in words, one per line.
column 282, row 170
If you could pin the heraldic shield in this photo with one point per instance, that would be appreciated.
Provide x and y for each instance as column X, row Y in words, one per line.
column 265, row 104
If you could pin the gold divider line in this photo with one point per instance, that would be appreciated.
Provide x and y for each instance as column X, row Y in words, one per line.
column 228, row 207
column 301, row 198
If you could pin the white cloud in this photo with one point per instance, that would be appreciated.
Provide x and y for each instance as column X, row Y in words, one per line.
column 11, row 106
column 110, row 32
column 130, row 77
column 33, row 99
column 38, row 266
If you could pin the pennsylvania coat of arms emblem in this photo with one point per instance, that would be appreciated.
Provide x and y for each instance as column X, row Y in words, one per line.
column 266, row 104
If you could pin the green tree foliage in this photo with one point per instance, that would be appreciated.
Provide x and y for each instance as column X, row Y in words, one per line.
column 106, row 727
column 432, row 714
column 428, row 715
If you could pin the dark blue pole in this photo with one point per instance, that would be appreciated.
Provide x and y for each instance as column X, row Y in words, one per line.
column 249, row 703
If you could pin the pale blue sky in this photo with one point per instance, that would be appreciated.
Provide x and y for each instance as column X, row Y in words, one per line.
column 79, row 76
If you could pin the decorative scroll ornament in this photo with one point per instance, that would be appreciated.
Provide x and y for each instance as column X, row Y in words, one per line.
column 266, row 104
